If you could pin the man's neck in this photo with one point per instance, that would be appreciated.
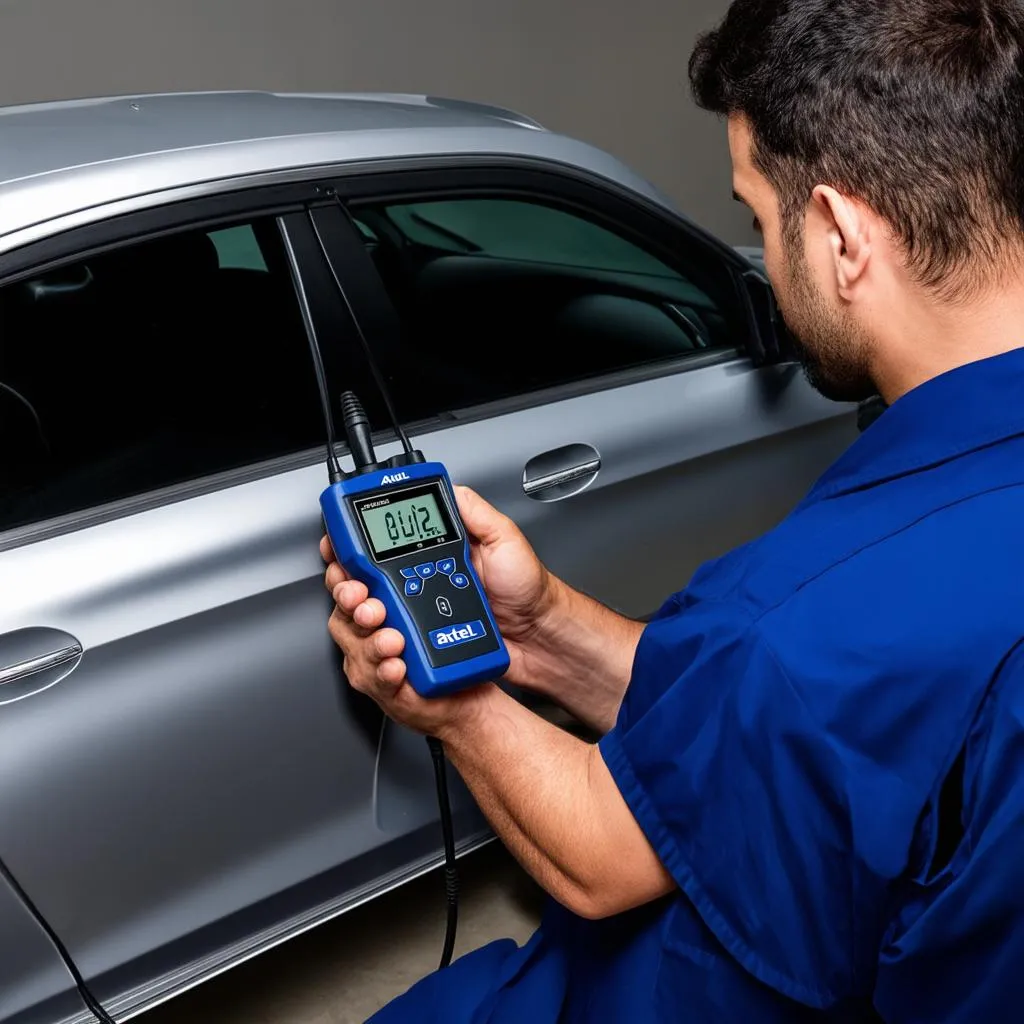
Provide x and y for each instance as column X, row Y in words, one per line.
column 931, row 339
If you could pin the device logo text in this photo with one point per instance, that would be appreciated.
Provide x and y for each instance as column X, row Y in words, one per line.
column 394, row 478
column 451, row 636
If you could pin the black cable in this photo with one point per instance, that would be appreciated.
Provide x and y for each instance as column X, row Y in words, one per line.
column 451, row 874
column 374, row 368
column 361, row 444
column 94, row 1005
column 334, row 470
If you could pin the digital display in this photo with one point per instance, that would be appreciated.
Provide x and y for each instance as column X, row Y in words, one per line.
column 405, row 521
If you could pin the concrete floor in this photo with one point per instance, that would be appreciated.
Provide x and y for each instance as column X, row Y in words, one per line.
column 344, row 971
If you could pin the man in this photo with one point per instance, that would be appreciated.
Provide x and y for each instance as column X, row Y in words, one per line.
column 809, row 797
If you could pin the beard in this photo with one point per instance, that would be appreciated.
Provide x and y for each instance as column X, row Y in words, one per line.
column 831, row 348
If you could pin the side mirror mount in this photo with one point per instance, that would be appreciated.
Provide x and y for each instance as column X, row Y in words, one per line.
column 770, row 341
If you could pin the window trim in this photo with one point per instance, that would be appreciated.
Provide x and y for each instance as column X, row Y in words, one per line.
column 363, row 183
column 80, row 243
column 596, row 202
column 191, row 214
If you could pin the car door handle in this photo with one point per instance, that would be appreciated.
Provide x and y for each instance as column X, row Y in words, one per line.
column 24, row 669
column 561, row 472
column 34, row 659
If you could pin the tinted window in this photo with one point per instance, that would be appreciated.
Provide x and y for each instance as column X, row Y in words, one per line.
column 503, row 296
column 150, row 365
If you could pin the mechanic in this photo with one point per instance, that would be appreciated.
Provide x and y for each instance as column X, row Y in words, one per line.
column 808, row 801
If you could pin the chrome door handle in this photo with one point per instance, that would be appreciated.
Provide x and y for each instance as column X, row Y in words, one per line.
column 31, row 666
column 34, row 659
column 561, row 473
column 532, row 485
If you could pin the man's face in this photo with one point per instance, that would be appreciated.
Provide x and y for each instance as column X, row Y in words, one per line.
column 831, row 345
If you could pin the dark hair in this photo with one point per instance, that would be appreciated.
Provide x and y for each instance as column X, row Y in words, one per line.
column 915, row 107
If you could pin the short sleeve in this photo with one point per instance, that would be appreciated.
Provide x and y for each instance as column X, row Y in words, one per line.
column 955, row 951
column 744, row 797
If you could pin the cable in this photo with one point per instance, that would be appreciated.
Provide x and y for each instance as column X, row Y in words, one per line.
column 94, row 1005
column 451, row 873
column 374, row 368
column 357, row 430
column 334, row 470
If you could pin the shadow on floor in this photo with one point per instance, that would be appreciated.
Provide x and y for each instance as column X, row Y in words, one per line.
column 343, row 971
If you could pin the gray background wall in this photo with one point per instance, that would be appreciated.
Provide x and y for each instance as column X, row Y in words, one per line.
column 612, row 72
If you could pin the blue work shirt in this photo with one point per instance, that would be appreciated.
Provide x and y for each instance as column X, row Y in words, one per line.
column 823, row 740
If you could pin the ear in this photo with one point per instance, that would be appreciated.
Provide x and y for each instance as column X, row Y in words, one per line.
column 849, row 236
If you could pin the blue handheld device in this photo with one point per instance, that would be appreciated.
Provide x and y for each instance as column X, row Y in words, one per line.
column 396, row 527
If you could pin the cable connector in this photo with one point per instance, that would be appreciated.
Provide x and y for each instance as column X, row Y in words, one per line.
column 357, row 432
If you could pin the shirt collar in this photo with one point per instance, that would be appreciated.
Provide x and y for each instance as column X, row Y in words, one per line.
column 960, row 411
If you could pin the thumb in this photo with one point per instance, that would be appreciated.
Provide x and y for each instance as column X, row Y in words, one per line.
column 483, row 521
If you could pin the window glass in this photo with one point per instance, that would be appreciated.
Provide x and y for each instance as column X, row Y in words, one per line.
column 504, row 296
column 238, row 248
column 516, row 230
column 150, row 365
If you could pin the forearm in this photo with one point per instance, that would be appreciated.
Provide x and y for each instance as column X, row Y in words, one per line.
column 581, row 657
column 551, row 800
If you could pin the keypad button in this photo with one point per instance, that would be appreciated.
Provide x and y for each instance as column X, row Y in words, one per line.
column 409, row 574
column 444, row 606
column 446, row 566
column 426, row 570
column 460, row 580
column 413, row 588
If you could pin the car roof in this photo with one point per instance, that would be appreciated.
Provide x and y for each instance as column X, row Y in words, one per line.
column 66, row 163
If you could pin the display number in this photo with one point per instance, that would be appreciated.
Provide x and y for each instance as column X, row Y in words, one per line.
column 417, row 525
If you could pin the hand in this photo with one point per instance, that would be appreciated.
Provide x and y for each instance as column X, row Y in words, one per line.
column 520, row 590
column 373, row 659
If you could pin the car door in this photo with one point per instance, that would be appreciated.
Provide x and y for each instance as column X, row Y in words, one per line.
column 583, row 359
column 185, row 778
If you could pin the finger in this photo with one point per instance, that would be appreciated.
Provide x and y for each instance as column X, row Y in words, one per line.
column 335, row 574
column 386, row 644
column 482, row 519
column 326, row 550
column 392, row 672
column 349, row 595
column 370, row 614
column 341, row 631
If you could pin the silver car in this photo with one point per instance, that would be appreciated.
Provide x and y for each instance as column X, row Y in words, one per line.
column 185, row 778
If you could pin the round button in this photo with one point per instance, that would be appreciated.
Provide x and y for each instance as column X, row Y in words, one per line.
column 460, row 580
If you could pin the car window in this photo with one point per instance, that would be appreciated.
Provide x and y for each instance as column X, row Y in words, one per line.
column 556, row 295
column 150, row 365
